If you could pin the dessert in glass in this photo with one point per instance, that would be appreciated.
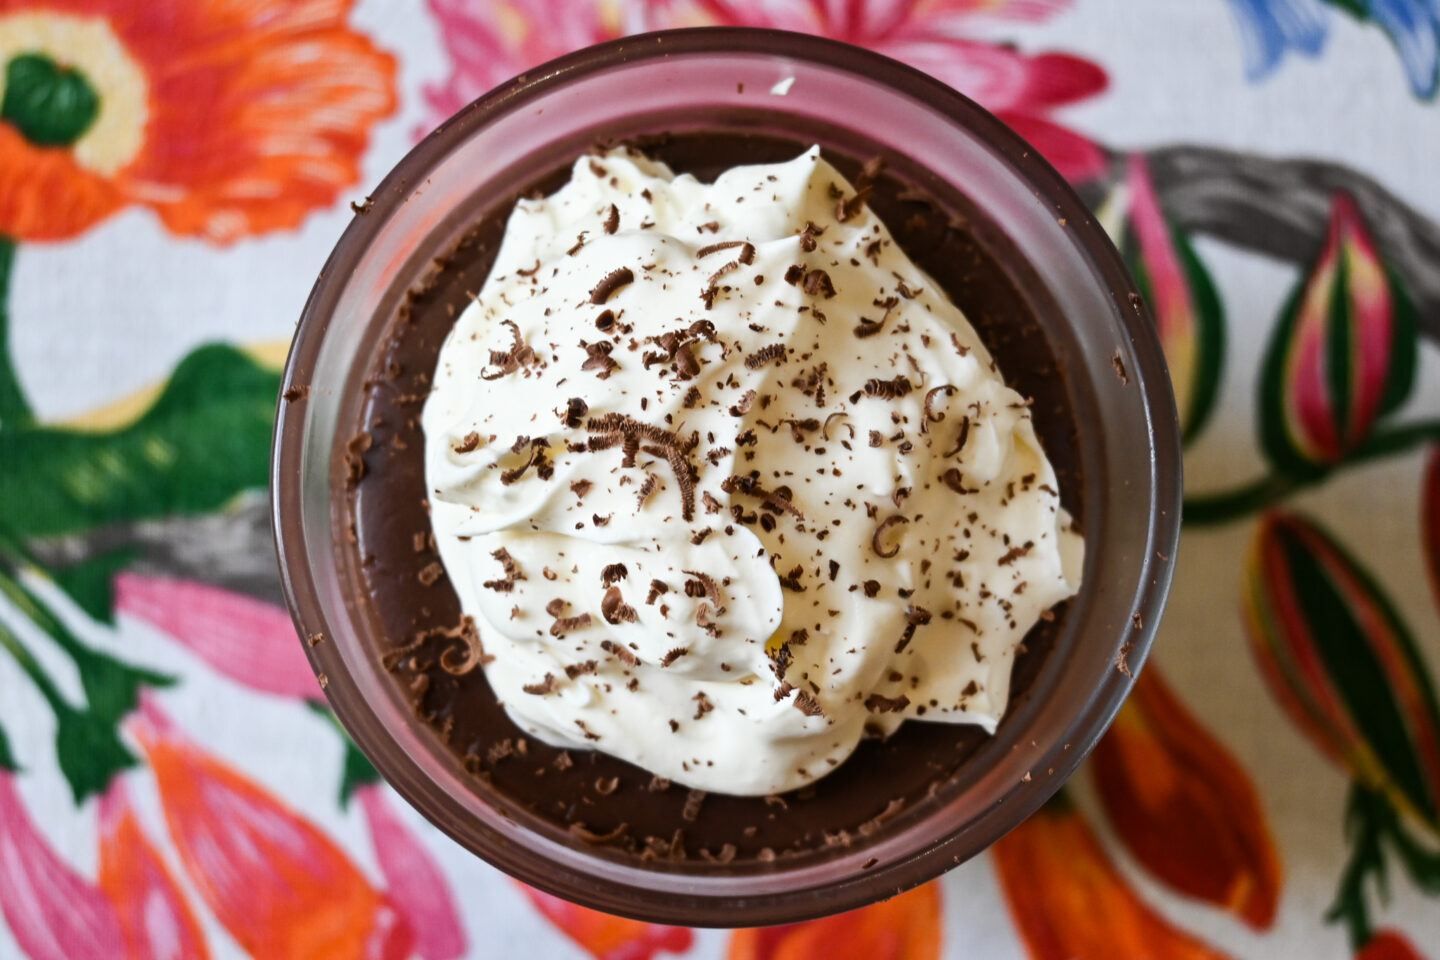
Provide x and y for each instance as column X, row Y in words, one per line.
column 725, row 477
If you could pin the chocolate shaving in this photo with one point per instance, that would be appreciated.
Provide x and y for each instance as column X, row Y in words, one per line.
column 807, row 704
column 703, row 585
column 746, row 255
column 878, row 536
column 564, row 625
column 586, row 731
column 580, row 488
column 616, row 427
column 611, row 282
column 1015, row 553
column 704, row 622
column 512, row 573
column 606, row 785
column 620, row 653
column 599, row 358
column 825, row 428
column 614, row 608
column 605, row 322
column 543, row 688
column 430, row 573
column 743, row 407
column 794, row 273
column 875, row 703
column 531, row 271
column 584, row 834
column 693, row 800
column 702, row 705
column 658, row 588
column 612, row 219
column 868, row 328
column 915, row 616
column 575, row 410
column 817, row 282
column 758, row 359
column 613, row 573
column 581, row 669
column 779, row 498
column 962, row 438
column 888, row 389
column 931, row 416
column 672, row 655
column 470, row 442
column 652, row 482
column 808, row 235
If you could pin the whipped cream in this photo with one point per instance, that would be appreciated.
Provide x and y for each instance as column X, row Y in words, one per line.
column 726, row 481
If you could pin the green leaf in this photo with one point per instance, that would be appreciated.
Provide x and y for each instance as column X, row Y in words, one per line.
column 1400, row 378
column 358, row 772
column 206, row 439
column 1274, row 433
column 89, row 749
column 90, row 583
column 1209, row 335
column 7, row 759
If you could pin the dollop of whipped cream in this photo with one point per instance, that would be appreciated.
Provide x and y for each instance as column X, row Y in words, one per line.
column 727, row 482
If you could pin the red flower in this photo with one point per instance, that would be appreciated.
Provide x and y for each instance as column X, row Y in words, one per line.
column 609, row 938
column 282, row 888
column 1389, row 945
column 905, row 928
column 157, row 922
column 1070, row 902
column 1183, row 806
column 225, row 118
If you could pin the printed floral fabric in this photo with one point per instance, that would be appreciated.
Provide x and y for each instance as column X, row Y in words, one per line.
column 172, row 783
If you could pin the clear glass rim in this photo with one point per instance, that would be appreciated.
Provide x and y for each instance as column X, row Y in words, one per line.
column 655, row 902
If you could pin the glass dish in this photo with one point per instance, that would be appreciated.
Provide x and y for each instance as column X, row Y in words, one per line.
column 1099, row 329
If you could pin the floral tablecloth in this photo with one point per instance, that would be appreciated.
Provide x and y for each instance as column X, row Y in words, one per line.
column 172, row 175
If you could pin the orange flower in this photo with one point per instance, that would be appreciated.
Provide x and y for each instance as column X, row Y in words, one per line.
column 282, row 888
column 605, row 937
column 156, row 921
column 1070, row 902
column 905, row 928
column 1183, row 806
column 225, row 118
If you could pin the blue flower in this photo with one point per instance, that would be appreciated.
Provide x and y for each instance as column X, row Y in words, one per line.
column 1269, row 29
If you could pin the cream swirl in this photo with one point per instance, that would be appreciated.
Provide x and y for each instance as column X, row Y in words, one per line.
column 726, row 481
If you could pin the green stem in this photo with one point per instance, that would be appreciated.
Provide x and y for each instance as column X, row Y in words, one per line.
column 1364, row 826
column 33, row 607
column 14, row 408
column 1211, row 509
column 33, row 670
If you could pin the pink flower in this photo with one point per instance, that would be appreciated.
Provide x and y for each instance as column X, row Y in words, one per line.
column 490, row 42
column 157, row 922
column 53, row 912
column 936, row 36
column 1343, row 354
column 247, row 640
column 413, row 880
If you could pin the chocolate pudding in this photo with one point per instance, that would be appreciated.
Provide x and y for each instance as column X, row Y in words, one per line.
column 594, row 797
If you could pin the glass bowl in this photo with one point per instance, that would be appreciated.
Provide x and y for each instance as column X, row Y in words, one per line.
column 1099, row 330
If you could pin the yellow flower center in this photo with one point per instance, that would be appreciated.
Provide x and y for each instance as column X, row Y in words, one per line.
column 89, row 47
